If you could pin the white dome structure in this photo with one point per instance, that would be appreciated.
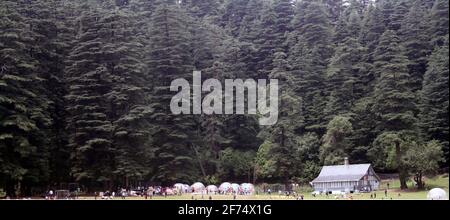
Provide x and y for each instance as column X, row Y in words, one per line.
column 437, row 194
column 247, row 188
column 198, row 187
column 224, row 187
column 184, row 188
column 212, row 189
column 178, row 186
column 187, row 188
column 235, row 187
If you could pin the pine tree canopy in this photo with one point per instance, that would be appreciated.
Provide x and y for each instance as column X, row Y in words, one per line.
column 86, row 91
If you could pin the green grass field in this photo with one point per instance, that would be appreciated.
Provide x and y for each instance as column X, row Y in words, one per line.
column 393, row 194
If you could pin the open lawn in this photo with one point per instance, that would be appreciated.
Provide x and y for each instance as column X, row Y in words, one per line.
column 394, row 193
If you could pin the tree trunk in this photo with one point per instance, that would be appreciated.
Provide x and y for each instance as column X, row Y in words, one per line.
column 287, row 184
column 419, row 180
column 255, row 174
column 403, row 178
column 18, row 189
column 199, row 161
column 401, row 170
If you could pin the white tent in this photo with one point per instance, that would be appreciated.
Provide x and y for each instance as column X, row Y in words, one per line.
column 235, row 187
column 212, row 188
column 187, row 188
column 184, row 188
column 247, row 188
column 178, row 186
column 224, row 187
column 437, row 194
column 198, row 187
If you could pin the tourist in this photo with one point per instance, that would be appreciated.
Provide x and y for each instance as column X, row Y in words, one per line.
column 50, row 194
column 123, row 194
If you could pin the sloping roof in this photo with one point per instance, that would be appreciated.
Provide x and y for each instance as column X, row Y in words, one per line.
column 352, row 172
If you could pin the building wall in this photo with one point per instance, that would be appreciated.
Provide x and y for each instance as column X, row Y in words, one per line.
column 367, row 183
column 336, row 186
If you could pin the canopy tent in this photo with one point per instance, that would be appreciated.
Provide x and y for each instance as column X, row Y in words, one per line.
column 224, row 187
column 198, row 187
column 235, row 187
column 247, row 188
column 437, row 194
column 182, row 187
column 212, row 188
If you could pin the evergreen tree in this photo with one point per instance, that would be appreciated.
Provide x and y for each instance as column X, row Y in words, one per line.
column 276, row 26
column 394, row 100
column 309, row 53
column 439, row 22
column 283, row 136
column 373, row 28
column 168, row 59
column 336, row 144
column 335, row 8
column 401, row 9
column 89, row 122
column 416, row 43
column 84, row 90
column 128, row 98
column 346, row 73
column 232, row 16
column 202, row 8
column 24, row 105
column 435, row 98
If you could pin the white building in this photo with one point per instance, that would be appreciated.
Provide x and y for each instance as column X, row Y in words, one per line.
column 346, row 178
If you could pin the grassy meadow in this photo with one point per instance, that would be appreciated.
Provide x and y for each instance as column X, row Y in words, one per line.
column 394, row 193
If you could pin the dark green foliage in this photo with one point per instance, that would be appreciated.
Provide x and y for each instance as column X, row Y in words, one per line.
column 439, row 22
column 25, row 117
column 335, row 141
column 434, row 103
column 85, row 90
column 310, row 51
column 373, row 28
column 275, row 26
column 202, row 8
column 168, row 59
column 395, row 103
column 347, row 71
column 416, row 41
column 89, row 82
column 283, row 136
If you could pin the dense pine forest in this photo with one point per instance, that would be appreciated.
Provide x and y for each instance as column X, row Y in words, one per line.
column 84, row 90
